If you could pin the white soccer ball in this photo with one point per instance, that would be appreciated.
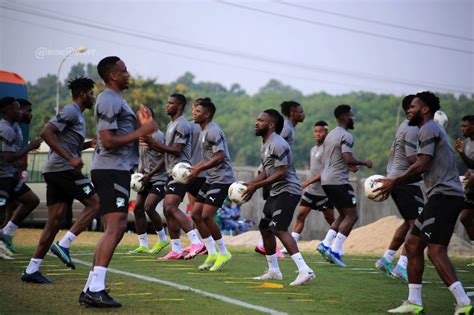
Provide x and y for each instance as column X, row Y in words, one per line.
column 370, row 185
column 235, row 192
column 181, row 172
column 441, row 118
column 136, row 182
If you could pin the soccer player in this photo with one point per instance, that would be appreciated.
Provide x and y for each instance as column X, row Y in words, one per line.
column 217, row 164
column 407, row 197
column 30, row 201
column 435, row 224
column 338, row 160
column 65, row 135
column 152, row 193
column 314, row 196
column 116, row 156
column 177, row 148
column 285, row 193
column 12, row 187
column 465, row 150
column 294, row 114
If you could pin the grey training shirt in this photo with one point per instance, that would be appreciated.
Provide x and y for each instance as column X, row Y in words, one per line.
column 276, row 152
column 213, row 140
column 442, row 176
column 11, row 139
column 335, row 170
column 113, row 113
column 178, row 132
column 72, row 131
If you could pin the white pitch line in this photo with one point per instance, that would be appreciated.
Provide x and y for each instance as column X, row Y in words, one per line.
column 186, row 288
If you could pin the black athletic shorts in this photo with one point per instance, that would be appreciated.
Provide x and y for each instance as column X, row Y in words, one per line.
column 11, row 188
column 469, row 201
column 195, row 186
column 65, row 186
column 435, row 224
column 315, row 202
column 409, row 200
column 156, row 188
column 213, row 194
column 113, row 188
column 278, row 211
column 341, row 196
column 174, row 188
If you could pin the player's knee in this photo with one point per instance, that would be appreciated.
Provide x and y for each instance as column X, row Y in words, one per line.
column 301, row 216
column 466, row 218
column 196, row 217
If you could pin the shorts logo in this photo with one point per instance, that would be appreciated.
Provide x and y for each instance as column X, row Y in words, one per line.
column 272, row 223
column 212, row 199
column 3, row 201
column 428, row 235
column 87, row 189
column 353, row 200
column 420, row 210
column 171, row 188
column 120, row 202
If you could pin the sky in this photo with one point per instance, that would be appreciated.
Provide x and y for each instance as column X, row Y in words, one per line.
column 397, row 47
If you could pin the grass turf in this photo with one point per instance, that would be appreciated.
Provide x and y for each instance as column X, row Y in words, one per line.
column 358, row 289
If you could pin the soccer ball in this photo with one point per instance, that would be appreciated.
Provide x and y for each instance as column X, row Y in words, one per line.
column 235, row 192
column 136, row 182
column 441, row 118
column 370, row 185
column 181, row 172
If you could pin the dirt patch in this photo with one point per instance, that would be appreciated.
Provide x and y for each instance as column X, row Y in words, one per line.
column 370, row 239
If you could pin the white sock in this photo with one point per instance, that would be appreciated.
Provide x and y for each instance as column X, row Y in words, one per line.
column 34, row 265
column 209, row 242
column 389, row 254
column 143, row 239
column 458, row 291
column 67, row 239
column 98, row 279
column 9, row 228
column 221, row 246
column 176, row 246
column 272, row 261
column 330, row 235
column 88, row 282
column 260, row 242
column 414, row 293
column 403, row 261
column 299, row 261
column 198, row 234
column 296, row 236
column 193, row 237
column 337, row 245
column 161, row 235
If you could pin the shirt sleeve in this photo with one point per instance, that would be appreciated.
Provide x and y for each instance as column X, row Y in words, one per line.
column 427, row 139
column 347, row 142
column 108, row 111
column 280, row 153
column 216, row 140
column 65, row 118
column 411, row 138
column 182, row 132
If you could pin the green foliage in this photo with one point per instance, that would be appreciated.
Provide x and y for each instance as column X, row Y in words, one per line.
column 375, row 114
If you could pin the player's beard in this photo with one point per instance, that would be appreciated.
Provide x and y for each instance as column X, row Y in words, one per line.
column 261, row 132
column 350, row 124
column 415, row 120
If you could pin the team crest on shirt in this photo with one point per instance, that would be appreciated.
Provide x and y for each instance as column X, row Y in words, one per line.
column 3, row 202
column 87, row 189
column 353, row 200
column 266, row 151
column 120, row 202
column 420, row 210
